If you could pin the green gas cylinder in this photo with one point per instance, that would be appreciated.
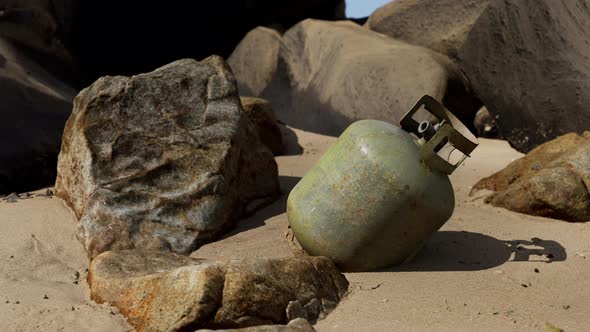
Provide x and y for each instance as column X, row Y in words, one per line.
column 380, row 191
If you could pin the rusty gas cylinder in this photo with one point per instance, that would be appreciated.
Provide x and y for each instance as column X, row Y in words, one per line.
column 375, row 197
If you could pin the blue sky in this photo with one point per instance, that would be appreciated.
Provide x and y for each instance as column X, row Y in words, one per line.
column 362, row 8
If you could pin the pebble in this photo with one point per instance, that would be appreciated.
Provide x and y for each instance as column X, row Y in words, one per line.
column 12, row 198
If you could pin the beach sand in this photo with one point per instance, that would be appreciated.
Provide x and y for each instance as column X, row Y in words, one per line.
column 470, row 276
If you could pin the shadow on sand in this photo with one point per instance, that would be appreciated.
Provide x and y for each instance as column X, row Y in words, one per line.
column 467, row 251
column 276, row 208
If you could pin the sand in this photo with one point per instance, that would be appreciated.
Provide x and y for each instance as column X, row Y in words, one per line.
column 470, row 276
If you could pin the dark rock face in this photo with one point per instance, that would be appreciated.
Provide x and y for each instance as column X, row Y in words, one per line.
column 38, row 24
column 159, row 291
column 321, row 76
column 528, row 62
column 121, row 38
column 551, row 181
column 441, row 25
column 34, row 106
column 165, row 160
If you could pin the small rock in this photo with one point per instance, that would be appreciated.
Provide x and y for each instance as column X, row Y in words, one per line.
column 295, row 310
column 537, row 270
column 45, row 297
column 313, row 308
column 24, row 196
column 566, row 306
column 485, row 124
column 12, row 198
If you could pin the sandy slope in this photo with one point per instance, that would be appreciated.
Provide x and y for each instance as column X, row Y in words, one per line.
column 467, row 278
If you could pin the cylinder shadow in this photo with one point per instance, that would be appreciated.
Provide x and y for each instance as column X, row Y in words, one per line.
column 467, row 251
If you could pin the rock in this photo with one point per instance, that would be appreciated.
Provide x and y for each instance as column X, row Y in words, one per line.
column 295, row 310
column 255, row 61
column 165, row 160
column 441, row 25
column 528, row 62
column 259, row 111
column 485, row 124
column 158, row 291
column 296, row 325
column 34, row 108
column 258, row 292
column 131, row 43
column 326, row 75
column 551, row 181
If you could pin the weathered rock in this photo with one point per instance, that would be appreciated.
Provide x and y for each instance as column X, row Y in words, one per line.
column 34, row 106
column 528, row 62
column 258, row 292
column 259, row 111
column 329, row 74
column 441, row 25
column 157, row 291
column 165, row 160
column 551, row 181
column 160, row 291
column 255, row 61
column 296, row 325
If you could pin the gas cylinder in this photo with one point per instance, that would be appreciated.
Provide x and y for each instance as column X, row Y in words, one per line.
column 380, row 191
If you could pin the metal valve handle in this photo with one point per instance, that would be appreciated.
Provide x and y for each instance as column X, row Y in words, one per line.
column 448, row 130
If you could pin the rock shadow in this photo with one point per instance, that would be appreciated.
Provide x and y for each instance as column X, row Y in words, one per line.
column 30, row 136
column 291, row 145
column 276, row 208
column 467, row 251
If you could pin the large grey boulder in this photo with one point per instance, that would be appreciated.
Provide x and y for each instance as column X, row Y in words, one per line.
column 34, row 106
column 440, row 25
column 321, row 76
column 528, row 62
column 159, row 291
column 165, row 160
column 553, row 180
